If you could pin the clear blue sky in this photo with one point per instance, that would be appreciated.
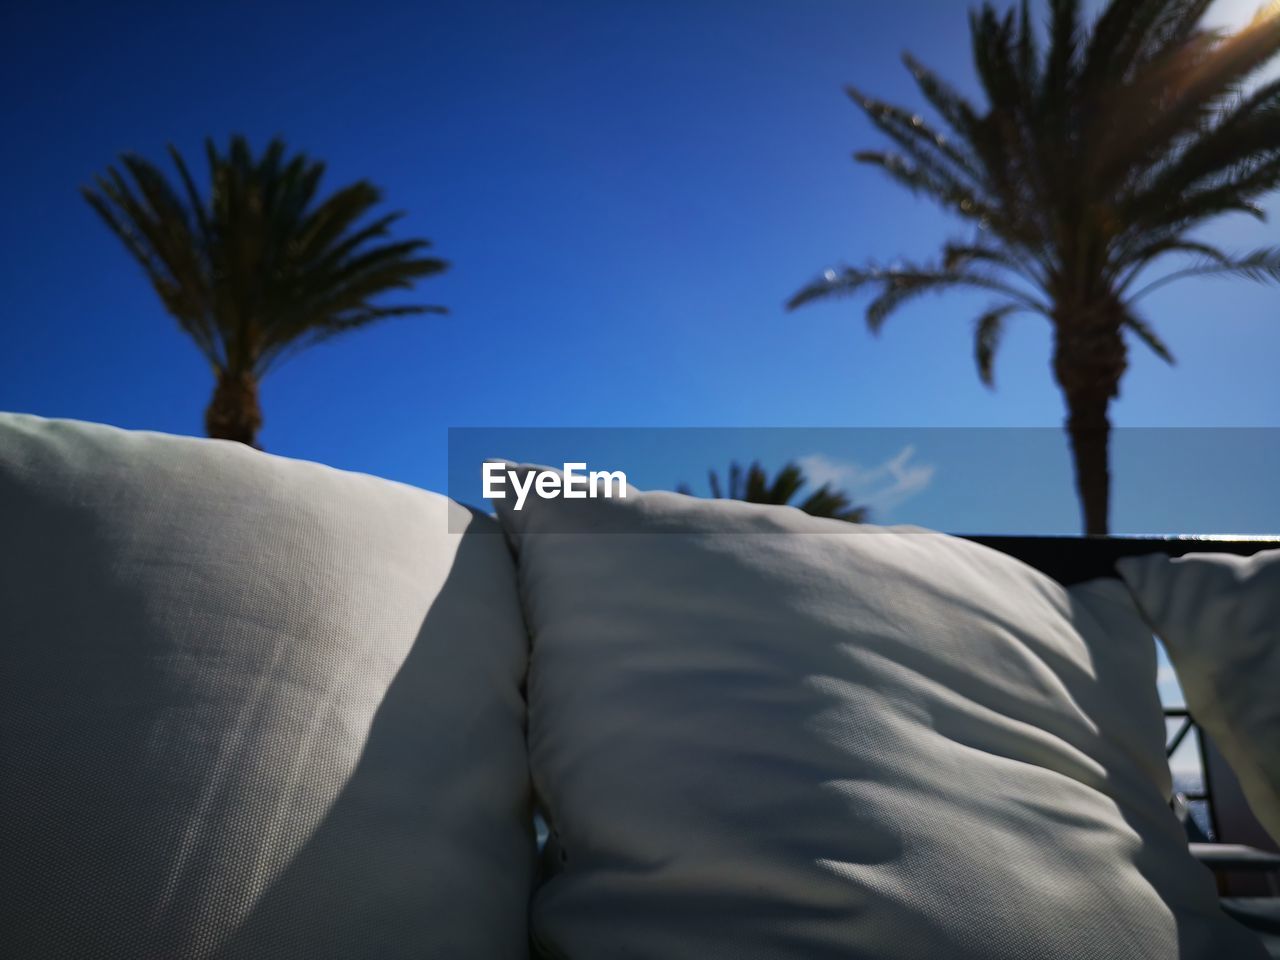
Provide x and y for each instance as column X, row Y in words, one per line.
column 628, row 193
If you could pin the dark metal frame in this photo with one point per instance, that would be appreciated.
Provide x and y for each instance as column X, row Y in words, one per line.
column 1076, row 559
column 1205, row 794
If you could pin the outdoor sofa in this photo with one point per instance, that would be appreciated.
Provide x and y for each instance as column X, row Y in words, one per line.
column 260, row 708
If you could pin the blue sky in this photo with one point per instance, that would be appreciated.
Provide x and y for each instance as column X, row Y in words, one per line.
column 628, row 193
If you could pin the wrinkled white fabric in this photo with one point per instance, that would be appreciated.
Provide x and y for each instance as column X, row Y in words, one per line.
column 1219, row 618
column 763, row 735
column 251, row 707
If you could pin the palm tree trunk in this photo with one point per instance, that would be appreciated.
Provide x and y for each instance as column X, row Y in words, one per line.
column 234, row 413
column 1089, row 360
column 1089, row 431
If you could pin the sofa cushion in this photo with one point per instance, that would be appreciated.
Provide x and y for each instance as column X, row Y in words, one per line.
column 757, row 733
column 1219, row 618
column 251, row 707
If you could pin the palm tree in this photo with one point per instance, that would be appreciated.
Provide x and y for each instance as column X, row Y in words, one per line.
column 754, row 486
column 1092, row 160
column 262, row 267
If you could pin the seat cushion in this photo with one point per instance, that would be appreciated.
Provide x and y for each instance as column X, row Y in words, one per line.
column 252, row 707
column 760, row 734
column 1219, row 618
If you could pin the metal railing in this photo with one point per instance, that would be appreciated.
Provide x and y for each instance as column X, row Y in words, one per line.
column 1172, row 742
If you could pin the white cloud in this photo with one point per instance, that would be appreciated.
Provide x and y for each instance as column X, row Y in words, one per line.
column 881, row 487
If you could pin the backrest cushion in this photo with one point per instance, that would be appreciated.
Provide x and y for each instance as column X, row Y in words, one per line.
column 251, row 707
column 1219, row 618
column 760, row 734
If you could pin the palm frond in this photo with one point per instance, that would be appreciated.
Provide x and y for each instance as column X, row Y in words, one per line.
column 900, row 285
column 1135, row 263
column 754, row 486
column 955, row 110
column 930, row 149
column 1065, row 42
column 1130, row 34
column 987, row 334
column 957, row 255
column 154, row 228
column 1260, row 266
column 1147, row 335
column 1189, row 84
column 261, row 266
column 827, row 502
column 937, row 185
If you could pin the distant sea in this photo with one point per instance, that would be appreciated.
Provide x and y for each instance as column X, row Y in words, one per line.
column 1190, row 781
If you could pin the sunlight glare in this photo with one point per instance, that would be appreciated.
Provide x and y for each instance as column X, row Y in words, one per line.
column 1235, row 14
column 1238, row 14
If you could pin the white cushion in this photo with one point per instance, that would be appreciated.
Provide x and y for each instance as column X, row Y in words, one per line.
column 1219, row 617
column 251, row 708
column 760, row 734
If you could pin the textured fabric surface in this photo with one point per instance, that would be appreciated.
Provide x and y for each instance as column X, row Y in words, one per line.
column 762, row 735
column 251, row 708
column 1219, row 618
